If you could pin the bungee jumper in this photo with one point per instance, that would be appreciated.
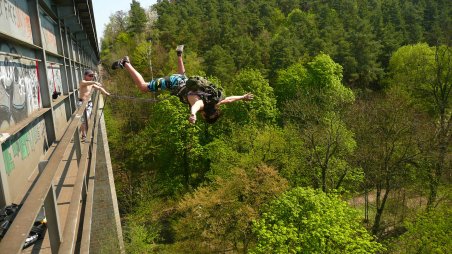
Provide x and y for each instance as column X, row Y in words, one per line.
column 200, row 94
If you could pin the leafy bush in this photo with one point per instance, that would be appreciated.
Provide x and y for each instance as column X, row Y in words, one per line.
column 304, row 220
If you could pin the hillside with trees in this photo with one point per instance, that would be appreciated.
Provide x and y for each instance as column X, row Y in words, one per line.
column 346, row 147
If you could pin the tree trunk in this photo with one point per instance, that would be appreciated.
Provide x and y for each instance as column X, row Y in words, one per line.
column 366, row 207
column 435, row 176
column 441, row 92
column 380, row 209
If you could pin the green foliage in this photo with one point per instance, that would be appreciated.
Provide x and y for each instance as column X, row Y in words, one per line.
column 324, row 83
column 283, row 50
column 123, row 38
column 262, row 108
column 172, row 146
column 313, row 99
column 299, row 59
column 139, row 239
column 140, row 58
column 137, row 18
column 289, row 82
column 249, row 147
column 217, row 218
column 428, row 233
column 219, row 63
column 308, row 221
column 387, row 148
column 428, row 79
column 412, row 67
column 308, row 92
column 330, row 144
column 192, row 63
column 260, row 111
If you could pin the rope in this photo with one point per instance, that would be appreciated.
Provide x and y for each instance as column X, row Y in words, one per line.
column 123, row 97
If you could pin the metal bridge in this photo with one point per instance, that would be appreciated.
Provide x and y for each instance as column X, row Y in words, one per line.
column 45, row 45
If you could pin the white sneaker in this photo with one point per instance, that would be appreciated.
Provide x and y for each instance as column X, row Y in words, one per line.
column 180, row 50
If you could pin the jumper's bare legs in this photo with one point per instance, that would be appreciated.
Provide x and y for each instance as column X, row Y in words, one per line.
column 139, row 80
column 136, row 76
column 180, row 62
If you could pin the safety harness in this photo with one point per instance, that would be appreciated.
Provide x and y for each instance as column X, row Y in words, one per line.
column 196, row 85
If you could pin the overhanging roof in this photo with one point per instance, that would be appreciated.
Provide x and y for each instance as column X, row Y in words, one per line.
column 84, row 10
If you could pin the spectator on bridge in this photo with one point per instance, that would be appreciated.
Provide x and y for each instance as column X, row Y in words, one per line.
column 86, row 86
column 198, row 92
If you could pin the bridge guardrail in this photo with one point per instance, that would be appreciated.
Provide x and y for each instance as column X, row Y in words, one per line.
column 43, row 192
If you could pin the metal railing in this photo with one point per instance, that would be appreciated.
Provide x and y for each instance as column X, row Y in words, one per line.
column 43, row 193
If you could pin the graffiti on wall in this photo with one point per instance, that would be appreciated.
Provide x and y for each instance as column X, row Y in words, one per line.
column 16, row 150
column 19, row 88
column 15, row 20
column 54, row 78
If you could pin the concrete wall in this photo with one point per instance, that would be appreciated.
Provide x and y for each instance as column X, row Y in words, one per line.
column 44, row 48
column 45, row 45
column 106, row 233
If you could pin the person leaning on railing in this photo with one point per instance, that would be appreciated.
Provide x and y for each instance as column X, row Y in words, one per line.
column 86, row 86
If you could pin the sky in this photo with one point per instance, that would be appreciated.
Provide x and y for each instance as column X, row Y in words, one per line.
column 104, row 8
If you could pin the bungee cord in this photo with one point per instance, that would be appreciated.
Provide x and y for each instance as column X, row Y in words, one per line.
column 124, row 97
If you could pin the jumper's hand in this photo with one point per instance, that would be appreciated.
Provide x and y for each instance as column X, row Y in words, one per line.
column 248, row 97
column 192, row 119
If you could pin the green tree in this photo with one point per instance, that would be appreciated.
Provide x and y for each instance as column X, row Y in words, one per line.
column 312, row 90
column 288, row 83
column 116, row 24
column 331, row 33
column 388, row 26
column 262, row 108
column 218, row 217
column 303, row 26
column 362, row 68
column 304, row 220
column 136, row 22
column 428, row 233
column 413, row 15
column 315, row 101
column 426, row 73
column 219, row 63
column 387, row 150
column 246, row 53
column 250, row 146
column 283, row 50
column 169, row 148
column 260, row 111
column 328, row 144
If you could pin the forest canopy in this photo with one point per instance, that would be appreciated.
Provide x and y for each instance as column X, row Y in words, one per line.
column 346, row 147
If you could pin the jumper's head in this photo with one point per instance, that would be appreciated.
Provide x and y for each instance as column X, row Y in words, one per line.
column 211, row 113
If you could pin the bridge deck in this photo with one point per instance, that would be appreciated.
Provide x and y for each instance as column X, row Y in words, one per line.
column 64, row 183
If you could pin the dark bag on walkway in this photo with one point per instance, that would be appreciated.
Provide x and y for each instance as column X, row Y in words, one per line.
column 7, row 216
